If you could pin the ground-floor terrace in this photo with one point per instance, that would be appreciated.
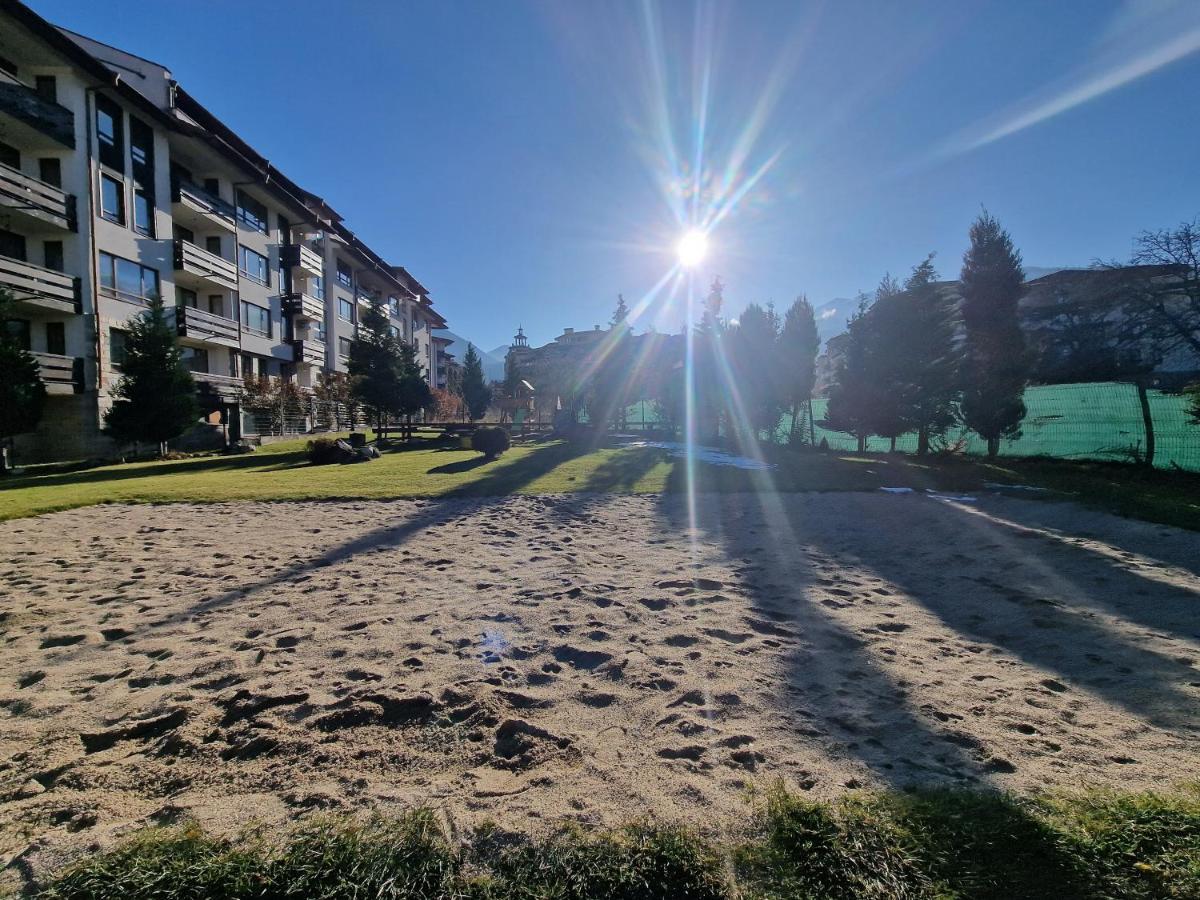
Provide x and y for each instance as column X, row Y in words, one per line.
column 590, row 657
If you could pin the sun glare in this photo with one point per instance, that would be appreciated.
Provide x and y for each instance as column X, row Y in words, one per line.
column 692, row 248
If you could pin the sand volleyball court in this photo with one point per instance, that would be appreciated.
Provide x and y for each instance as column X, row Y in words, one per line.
column 592, row 658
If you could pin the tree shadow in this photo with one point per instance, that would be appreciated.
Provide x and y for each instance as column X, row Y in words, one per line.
column 462, row 465
column 621, row 472
column 833, row 688
column 265, row 462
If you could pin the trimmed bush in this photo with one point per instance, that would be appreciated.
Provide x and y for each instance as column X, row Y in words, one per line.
column 491, row 442
column 323, row 451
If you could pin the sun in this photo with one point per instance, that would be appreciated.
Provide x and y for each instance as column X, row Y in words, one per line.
column 692, row 248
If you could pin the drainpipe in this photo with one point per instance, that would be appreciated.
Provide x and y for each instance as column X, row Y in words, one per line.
column 93, row 254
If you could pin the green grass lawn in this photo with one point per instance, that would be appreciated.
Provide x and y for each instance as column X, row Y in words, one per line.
column 427, row 467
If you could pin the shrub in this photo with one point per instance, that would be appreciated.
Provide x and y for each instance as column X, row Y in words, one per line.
column 491, row 442
column 323, row 451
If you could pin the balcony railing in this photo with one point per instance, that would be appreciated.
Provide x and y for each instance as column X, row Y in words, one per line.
column 40, row 286
column 303, row 257
column 303, row 306
column 200, row 200
column 205, row 326
column 310, row 352
column 19, row 100
column 34, row 197
column 197, row 261
column 60, row 374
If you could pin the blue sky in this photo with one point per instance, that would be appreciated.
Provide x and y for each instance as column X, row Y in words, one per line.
column 528, row 161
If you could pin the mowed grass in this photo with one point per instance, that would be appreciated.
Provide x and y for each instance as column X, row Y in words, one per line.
column 427, row 467
column 893, row 846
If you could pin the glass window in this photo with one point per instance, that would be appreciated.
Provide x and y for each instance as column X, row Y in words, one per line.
column 345, row 310
column 50, row 171
column 47, row 87
column 110, row 134
column 253, row 265
column 345, row 275
column 316, row 286
column 141, row 151
column 112, row 199
column 195, row 359
column 184, row 297
column 256, row 318
column 116, row 347
column 18, row 330
column 212, row 244
column 143, row 213
column 53, row 254
column 56, row 338
column 127, row 280
column 251, row 213
column 343, row 346
column 10, row 155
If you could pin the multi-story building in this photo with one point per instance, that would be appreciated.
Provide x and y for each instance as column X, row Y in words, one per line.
column 117, row 185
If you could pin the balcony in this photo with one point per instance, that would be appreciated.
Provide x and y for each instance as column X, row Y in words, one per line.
column 35, row 201
column 225, row 387
column 196, row 264
column 309, row 352
column 302, row 257
column 366, row 297
column 205, row 327
column 197, row 209
column 39, row 286
column 302, row 306
column 34, row 122
column 60, row 374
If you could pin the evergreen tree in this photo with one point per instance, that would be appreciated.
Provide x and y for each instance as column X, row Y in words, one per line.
column 754, row 350
column 22, row 393
column 412, row 389
column 476, row 393
column 708, row 357
column 374, row 364
column 155, row 400
column 854, row 395
column 891, row 408
column 994, row 366
column 621, row 313
column 797, row 362
column 927, row 363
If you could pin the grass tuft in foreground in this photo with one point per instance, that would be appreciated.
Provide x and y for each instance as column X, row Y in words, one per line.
column 925, row 844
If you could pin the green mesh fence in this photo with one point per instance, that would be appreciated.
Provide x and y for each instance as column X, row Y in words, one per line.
column 1070, row 421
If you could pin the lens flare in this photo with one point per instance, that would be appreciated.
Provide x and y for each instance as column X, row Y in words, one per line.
column 692, row 248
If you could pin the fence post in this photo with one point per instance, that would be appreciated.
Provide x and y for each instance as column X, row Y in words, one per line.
column 1147, row 422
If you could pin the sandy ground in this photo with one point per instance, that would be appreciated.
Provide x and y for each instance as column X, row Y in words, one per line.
column 591, row 658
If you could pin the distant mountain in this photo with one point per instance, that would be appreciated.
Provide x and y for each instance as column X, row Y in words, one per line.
column 493, row 361
column 832, row 316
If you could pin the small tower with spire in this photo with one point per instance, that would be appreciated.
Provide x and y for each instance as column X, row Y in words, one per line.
column 520, row 342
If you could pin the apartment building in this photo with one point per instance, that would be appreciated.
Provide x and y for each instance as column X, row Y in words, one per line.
column 117, row 185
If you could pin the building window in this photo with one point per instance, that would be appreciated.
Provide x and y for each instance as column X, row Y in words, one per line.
column 253, row 265
column 345, row 310
column 127, row 280
column 344, row 347
column 395, row 331
column 50, row 171
column 10, row 155
column 212, row 244
column 316, row 286
column 116, row 347
column 112, row 199
column 12, row 245
column 46, row 87
column 141, row 151
column 256, row 319
column 18, row 330
column 52, row 252
column 184, row 297
column 251, row 213
column 110, row 134
column 195, row 359
column 56, row 338
column 345, row 275
column 143, row 213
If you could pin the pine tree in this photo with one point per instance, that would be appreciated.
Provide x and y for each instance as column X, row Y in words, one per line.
column 22, row 393
column 892, row 413
column 927, row 362
column 797, row 363
column 476, row 393
column 994, row 366
column 754, row 349
column 621, row 313
column 374, row 364
column 155, row 400
column 854, row 395
column 412, row 389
